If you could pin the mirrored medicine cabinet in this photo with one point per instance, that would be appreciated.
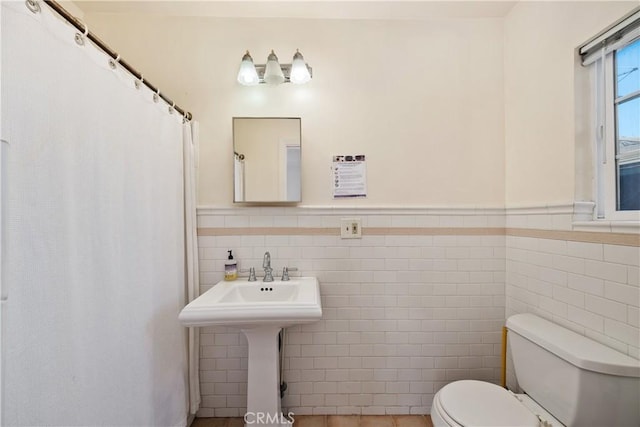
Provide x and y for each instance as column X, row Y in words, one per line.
column 267, row 159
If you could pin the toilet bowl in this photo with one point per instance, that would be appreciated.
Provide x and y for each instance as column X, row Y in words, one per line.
column 568, row 380
column 470, row 403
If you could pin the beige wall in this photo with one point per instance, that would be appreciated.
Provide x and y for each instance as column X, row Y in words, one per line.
column 444, row 109
column 541, row 130
column 422, row 99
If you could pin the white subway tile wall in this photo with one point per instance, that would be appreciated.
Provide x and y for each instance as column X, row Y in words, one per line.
column 402, row 316
column 405, row 314
column 591, row 288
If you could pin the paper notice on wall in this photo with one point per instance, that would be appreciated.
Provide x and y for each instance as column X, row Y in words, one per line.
column 349, row 176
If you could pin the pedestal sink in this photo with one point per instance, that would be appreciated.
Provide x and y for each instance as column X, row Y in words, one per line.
column 259, row 310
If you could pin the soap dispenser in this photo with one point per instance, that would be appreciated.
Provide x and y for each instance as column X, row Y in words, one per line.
column 230, row 268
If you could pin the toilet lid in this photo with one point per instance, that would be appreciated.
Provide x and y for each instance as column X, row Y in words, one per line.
column 476, row 403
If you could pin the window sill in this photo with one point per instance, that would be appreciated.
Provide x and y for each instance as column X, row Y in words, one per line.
column 583, row 213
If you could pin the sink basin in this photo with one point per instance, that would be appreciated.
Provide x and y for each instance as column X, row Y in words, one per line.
column 260, row 310
column 250, row 293
column 245, row 304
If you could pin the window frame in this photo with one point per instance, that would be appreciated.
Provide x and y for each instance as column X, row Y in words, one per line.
column 607, row 164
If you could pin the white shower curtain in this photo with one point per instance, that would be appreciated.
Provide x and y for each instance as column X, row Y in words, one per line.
column 190, row 146
column 94, row 269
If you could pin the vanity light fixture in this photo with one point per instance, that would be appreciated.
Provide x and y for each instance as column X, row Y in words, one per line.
column 273, row 72
column 247, row 75
column 300, row 71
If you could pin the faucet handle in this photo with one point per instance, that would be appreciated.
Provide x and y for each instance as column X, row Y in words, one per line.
column 285, row 273
column 251, row 271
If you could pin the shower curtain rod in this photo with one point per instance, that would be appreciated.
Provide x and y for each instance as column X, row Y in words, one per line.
column 114, row 55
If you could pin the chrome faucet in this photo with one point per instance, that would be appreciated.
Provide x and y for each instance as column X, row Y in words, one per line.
column 266, row 264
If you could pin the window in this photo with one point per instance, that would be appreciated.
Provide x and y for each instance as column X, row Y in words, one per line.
column 614, row 57
column 626, row 103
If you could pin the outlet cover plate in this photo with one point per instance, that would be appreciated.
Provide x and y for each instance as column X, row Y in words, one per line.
column 351, row 228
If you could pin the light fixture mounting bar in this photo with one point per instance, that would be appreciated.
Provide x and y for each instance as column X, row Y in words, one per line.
column 286, row 70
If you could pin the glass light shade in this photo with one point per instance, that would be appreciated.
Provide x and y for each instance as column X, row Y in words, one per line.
column 247, row 75
column 273, row 74
column 299, row 71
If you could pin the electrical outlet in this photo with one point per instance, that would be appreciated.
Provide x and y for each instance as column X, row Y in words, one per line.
column 351, row 228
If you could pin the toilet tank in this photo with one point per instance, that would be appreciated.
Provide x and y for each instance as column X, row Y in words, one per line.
column 579, row 381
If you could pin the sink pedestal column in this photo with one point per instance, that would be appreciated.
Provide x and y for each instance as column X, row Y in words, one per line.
column 263, row 380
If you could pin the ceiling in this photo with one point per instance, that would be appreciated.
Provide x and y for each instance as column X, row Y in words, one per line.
column 304, row 9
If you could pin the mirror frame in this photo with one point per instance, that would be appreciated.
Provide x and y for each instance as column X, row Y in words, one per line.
column 262, row 202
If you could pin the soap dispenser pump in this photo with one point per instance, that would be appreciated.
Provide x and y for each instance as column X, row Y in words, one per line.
column 230, row 268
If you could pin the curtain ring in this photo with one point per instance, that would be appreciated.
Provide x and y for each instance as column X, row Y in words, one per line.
column 32, row 5
column 138, row 83
column 79, row 38
column 156, row 96
column 172, row 108
column 113, row 62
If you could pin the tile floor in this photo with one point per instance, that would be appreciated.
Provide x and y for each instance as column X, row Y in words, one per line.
column 331, row 421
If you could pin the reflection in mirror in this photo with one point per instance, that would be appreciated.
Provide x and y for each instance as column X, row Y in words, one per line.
column 267, row 159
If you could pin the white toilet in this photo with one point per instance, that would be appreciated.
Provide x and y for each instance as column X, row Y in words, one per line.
column 568, row 380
